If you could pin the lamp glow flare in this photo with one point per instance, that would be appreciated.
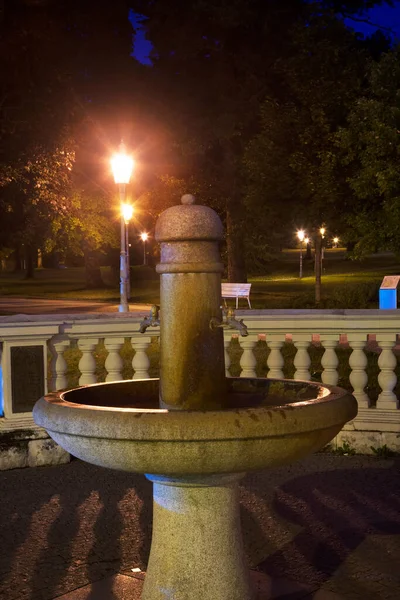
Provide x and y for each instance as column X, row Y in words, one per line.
column 122, row 166
column 144, row 237
column 301, row 234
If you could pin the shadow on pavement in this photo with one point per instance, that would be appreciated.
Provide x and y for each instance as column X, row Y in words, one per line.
column 64, row 526
column 331, row 516
column 326, row 521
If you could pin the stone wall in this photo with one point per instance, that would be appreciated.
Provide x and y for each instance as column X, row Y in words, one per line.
column 29, row 448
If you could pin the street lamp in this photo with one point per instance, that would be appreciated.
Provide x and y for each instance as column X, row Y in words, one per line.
column 122, row 166
column 144, row 237
column 336, row 241
column 301, row 235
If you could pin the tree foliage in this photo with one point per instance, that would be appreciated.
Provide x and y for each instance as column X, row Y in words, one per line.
column 291, row 163
column 254, row 92
column 62, row 63
column 370, row 144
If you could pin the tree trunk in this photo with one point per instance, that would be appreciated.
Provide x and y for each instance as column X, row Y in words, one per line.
column 30, row 269
column 235, row 242
column 17, row 260
column 318, row 269
column 92, row 269
column 235, row 216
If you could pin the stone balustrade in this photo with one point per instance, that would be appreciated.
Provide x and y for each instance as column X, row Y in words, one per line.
column 341, row 347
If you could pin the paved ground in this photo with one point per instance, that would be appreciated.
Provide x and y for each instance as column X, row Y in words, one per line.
column 41, row 306
column 329, row 523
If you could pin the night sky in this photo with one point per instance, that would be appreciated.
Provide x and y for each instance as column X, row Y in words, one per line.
column 383, row 16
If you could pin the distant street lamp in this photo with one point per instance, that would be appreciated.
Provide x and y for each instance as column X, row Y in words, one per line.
column 336, row 241
column 301, row 235
column 144, row 237
column 122, row 166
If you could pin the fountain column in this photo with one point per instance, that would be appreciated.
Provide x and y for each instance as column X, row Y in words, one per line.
column 197, row 550
column 192, row 369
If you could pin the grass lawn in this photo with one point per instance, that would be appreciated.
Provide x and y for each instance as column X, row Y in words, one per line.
column 70, row 284
column 345, row 283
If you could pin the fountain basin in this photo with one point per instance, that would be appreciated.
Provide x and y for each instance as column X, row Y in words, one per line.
column 194, row 433
column 267, row 423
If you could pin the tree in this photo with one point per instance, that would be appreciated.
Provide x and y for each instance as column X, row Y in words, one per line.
column 213, row 65
column 223, row 44
column 291, row 162
column 63, row 63
column 370, row 146
column 35, row 192
column 87, row 230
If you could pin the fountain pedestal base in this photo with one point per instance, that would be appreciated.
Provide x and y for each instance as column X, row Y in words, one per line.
column 197, row 548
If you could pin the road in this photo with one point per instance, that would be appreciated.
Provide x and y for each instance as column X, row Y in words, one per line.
column 41, row 306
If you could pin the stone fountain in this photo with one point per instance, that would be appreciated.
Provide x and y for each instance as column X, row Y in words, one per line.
column 193, row 432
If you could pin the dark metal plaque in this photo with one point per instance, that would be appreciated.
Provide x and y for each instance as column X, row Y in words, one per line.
column 27, row 377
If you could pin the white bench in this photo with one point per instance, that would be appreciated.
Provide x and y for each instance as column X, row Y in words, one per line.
column 236, row 290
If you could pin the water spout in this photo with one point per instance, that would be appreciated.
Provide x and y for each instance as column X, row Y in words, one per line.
column 153, row 320
column 230, row 322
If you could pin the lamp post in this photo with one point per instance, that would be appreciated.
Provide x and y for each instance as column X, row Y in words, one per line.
column 127, row 212
column 306, row 242
column 322, row 232
column 318, row 264
column 122, row 165
column 144, row 237
column 301, row 235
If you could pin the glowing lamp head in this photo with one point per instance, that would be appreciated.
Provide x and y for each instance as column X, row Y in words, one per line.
column 301, row 234
column 322, row 231
column 122, row 166
column 306, row 240
column 335, row 240
column 127, row 212
column 144, row 236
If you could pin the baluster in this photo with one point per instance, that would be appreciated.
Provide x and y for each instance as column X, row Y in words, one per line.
column 275, row 360
column 114, row 362
column 227, row 343
column 358, row 363
column 329, row 360
column 58, row 365
column 387, row 378
column 87, row 363
column 141, row 361
column 248, row 361
column 302, row 359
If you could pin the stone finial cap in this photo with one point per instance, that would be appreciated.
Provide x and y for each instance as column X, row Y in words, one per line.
column 188, row 221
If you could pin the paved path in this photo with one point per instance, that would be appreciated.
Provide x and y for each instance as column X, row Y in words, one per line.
column 41, row 306
column 327, row 525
